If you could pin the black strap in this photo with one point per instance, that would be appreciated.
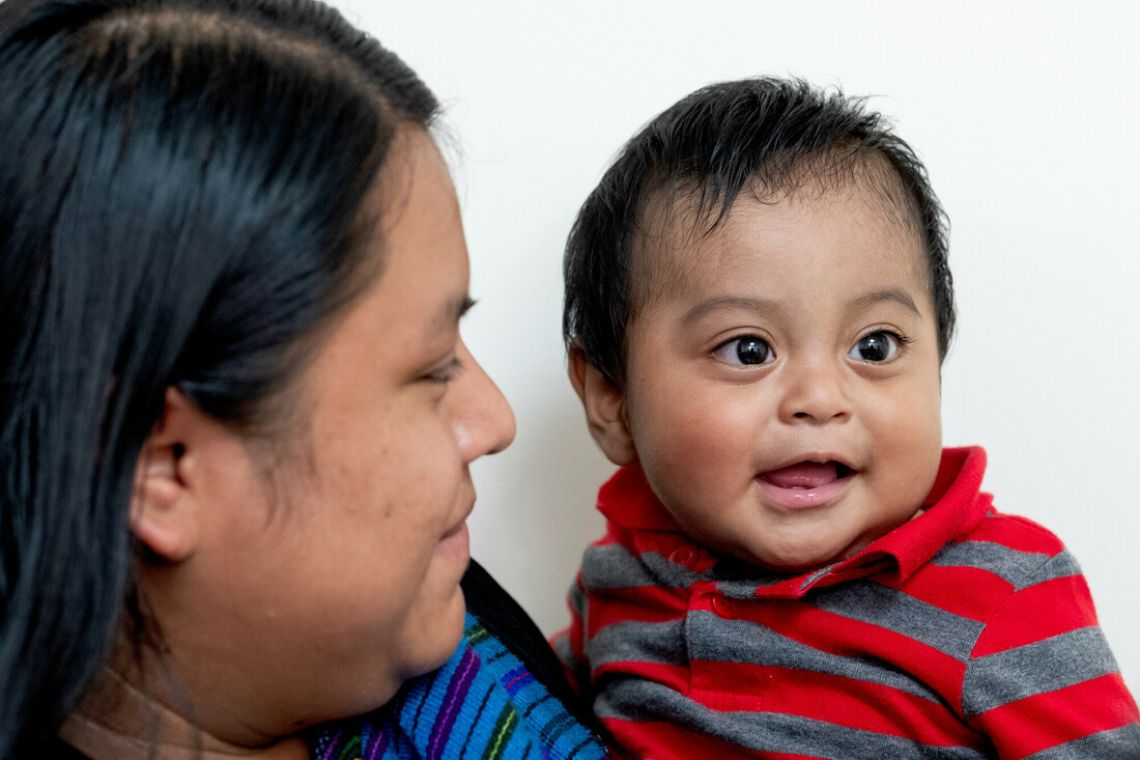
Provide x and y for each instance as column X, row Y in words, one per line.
column 504, row 618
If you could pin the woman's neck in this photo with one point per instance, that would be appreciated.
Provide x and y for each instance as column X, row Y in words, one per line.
column 118, row 721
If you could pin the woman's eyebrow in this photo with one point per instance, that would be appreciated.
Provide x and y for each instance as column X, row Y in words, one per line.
column 451, row 313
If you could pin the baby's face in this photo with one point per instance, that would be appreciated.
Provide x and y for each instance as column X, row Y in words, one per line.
column 783, row 389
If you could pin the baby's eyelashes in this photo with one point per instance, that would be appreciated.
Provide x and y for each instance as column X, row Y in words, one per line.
column 879, row 347
column 745, row 350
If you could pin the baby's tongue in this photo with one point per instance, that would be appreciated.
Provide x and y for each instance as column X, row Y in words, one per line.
column 802, row 475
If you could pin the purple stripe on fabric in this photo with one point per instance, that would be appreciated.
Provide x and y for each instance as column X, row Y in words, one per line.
column 377, row 744
column 456, row 692
column 334, row 742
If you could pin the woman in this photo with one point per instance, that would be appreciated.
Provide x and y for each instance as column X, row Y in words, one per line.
column 236, row 415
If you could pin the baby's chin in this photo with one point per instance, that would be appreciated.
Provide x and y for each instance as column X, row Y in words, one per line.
column 794, row 565
column 795, row 560
column 804, row 554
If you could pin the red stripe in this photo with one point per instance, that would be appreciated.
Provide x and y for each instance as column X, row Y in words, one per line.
column 846, row 637
column 1037, row 613
column 1017, row 533
column 676, row 677
column 732, row 687
column 648, row 604
column 666, row 741
column 965, row 591
column 1046, row 720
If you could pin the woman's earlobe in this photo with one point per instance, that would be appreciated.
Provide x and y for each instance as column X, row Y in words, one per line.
column 164, row 516
column 605, row 407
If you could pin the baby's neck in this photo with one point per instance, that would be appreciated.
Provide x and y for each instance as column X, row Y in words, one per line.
column 118, row 721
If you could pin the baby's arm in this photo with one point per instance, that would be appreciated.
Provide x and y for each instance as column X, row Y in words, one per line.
column 1041, row 678
column 569, row 643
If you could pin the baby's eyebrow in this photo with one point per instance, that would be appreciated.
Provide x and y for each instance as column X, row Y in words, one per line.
column 727, row 303
column 894, row 295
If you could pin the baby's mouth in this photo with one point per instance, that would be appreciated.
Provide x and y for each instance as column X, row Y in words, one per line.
column 807, row 475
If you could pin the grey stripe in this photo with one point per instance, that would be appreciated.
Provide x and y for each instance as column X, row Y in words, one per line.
column 713, row 638
column 637, row 641
column 746, row 589
column 565, row 653
column 1043, row 666
column 902, row 613
column 1117, row 744
column 1063, row 565
column 613, row 566
column 763, row 731
column 1015, row 567
column 576, row 598
column 562, row 648
column 815, row 576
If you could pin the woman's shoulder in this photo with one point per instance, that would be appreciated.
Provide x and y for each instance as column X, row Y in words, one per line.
column 502, row 616
column 502, row 689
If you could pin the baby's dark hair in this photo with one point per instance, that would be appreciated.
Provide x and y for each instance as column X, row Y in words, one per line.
column 769, row 135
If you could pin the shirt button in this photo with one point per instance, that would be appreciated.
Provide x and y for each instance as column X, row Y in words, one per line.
column 682, row 556
column 721, row 606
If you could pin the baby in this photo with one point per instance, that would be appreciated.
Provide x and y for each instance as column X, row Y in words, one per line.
column 758, row 303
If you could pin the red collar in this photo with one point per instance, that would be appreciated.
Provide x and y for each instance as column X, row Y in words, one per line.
column 954, row 506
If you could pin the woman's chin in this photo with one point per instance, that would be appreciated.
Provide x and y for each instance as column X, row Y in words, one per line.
column 436, row 638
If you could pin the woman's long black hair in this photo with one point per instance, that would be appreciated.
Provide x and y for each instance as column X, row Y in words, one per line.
column 180, row 206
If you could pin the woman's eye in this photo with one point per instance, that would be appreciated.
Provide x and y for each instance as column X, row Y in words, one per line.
column 881, row 346
column 446, row 373
column 745, row 350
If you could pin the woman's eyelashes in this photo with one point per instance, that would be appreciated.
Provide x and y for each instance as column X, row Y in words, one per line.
column 878, row 347
column 745, row 350
column 446, row 373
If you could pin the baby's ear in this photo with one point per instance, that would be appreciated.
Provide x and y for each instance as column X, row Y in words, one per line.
column 605, row 409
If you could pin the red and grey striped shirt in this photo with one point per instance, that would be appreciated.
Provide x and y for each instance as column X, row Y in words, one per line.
column 964, row 633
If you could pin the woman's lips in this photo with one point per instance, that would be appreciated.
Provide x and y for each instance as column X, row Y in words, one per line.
column 805, row 485
column 456, row 542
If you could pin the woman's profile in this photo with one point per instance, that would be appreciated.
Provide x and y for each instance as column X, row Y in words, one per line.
column 236, row 414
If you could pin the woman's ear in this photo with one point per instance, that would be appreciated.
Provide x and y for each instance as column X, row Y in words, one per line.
column 604, row 404
column 164, row 513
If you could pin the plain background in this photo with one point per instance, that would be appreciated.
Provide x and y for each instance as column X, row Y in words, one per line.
column 1028, row 119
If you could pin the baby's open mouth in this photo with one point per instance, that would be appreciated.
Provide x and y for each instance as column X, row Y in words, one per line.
column 807, row 474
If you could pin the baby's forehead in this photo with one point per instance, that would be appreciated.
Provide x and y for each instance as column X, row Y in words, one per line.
column 681, row 236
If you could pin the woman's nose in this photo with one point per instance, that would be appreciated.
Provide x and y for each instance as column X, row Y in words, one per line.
column 814, row 394
column 483, row 420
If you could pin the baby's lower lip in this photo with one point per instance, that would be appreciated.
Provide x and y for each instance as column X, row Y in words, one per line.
column 794, row 498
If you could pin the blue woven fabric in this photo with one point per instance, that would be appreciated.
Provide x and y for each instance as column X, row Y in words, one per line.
column 483, row 704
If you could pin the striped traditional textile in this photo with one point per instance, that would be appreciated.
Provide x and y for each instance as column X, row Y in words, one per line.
column 964, row 633
column 483, row 704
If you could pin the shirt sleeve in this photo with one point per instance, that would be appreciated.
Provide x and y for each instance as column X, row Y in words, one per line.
column 1042, row 682
column 569, row 644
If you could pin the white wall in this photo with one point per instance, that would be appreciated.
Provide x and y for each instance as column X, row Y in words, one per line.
column 1028, row 119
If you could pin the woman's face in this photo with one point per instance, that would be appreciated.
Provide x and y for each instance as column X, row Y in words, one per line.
column 313, row 596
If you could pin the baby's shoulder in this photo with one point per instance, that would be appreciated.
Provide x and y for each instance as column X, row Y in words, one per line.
column 1014, row 548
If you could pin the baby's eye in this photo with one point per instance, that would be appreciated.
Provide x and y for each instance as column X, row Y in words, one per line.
column 745, row 350
column 879, row 346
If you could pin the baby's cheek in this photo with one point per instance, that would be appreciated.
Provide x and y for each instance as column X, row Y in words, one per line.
column 908, row 446
column 692, row 434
